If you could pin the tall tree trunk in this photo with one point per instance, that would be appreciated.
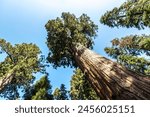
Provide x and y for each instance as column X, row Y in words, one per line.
column 109, row 79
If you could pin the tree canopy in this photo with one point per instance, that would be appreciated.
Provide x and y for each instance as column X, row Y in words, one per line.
column 129, row 50
column 66, row 32
column 21, row 61
column 132, row 13
column 41, row 90
column 61, row 94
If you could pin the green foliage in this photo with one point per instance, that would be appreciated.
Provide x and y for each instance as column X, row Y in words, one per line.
column 41, row 90
column 57, row 94
column 133, row 13
column 23, row 61
column 66, row 32
column 131, row 51
column 81, row 88
column 61, row 94
column 128, row 51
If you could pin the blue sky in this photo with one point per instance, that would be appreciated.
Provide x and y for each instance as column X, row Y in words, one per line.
column 24, row 21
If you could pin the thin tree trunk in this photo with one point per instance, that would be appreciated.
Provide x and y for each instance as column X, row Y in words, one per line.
column 6, row 80
column 109, row 79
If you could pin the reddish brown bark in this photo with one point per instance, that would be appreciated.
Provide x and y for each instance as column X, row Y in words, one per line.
column 109, row 79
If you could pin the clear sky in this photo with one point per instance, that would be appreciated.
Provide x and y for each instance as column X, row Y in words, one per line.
column 24, row 21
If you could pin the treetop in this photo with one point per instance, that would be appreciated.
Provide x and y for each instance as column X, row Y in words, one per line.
column 65, row 32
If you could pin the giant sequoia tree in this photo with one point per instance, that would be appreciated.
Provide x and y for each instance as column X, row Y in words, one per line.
column 16, row 70
column 70, row 40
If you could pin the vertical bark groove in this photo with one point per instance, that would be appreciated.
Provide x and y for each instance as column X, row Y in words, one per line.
column 109, row 79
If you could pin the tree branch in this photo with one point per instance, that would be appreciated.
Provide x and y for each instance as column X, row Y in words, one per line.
column 122, row 16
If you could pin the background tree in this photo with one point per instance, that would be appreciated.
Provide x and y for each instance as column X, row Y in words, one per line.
column 56, row 94
column 131, row 51
column 61, row 94
column 128, row 51
column 133, row 13
column 70, row 40
column 16, row 71
column 81, row 88
column 41, row 90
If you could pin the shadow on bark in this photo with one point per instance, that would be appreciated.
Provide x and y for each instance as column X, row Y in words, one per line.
column 109, row 79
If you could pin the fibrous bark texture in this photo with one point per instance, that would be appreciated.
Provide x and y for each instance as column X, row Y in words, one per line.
column 109, row 79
